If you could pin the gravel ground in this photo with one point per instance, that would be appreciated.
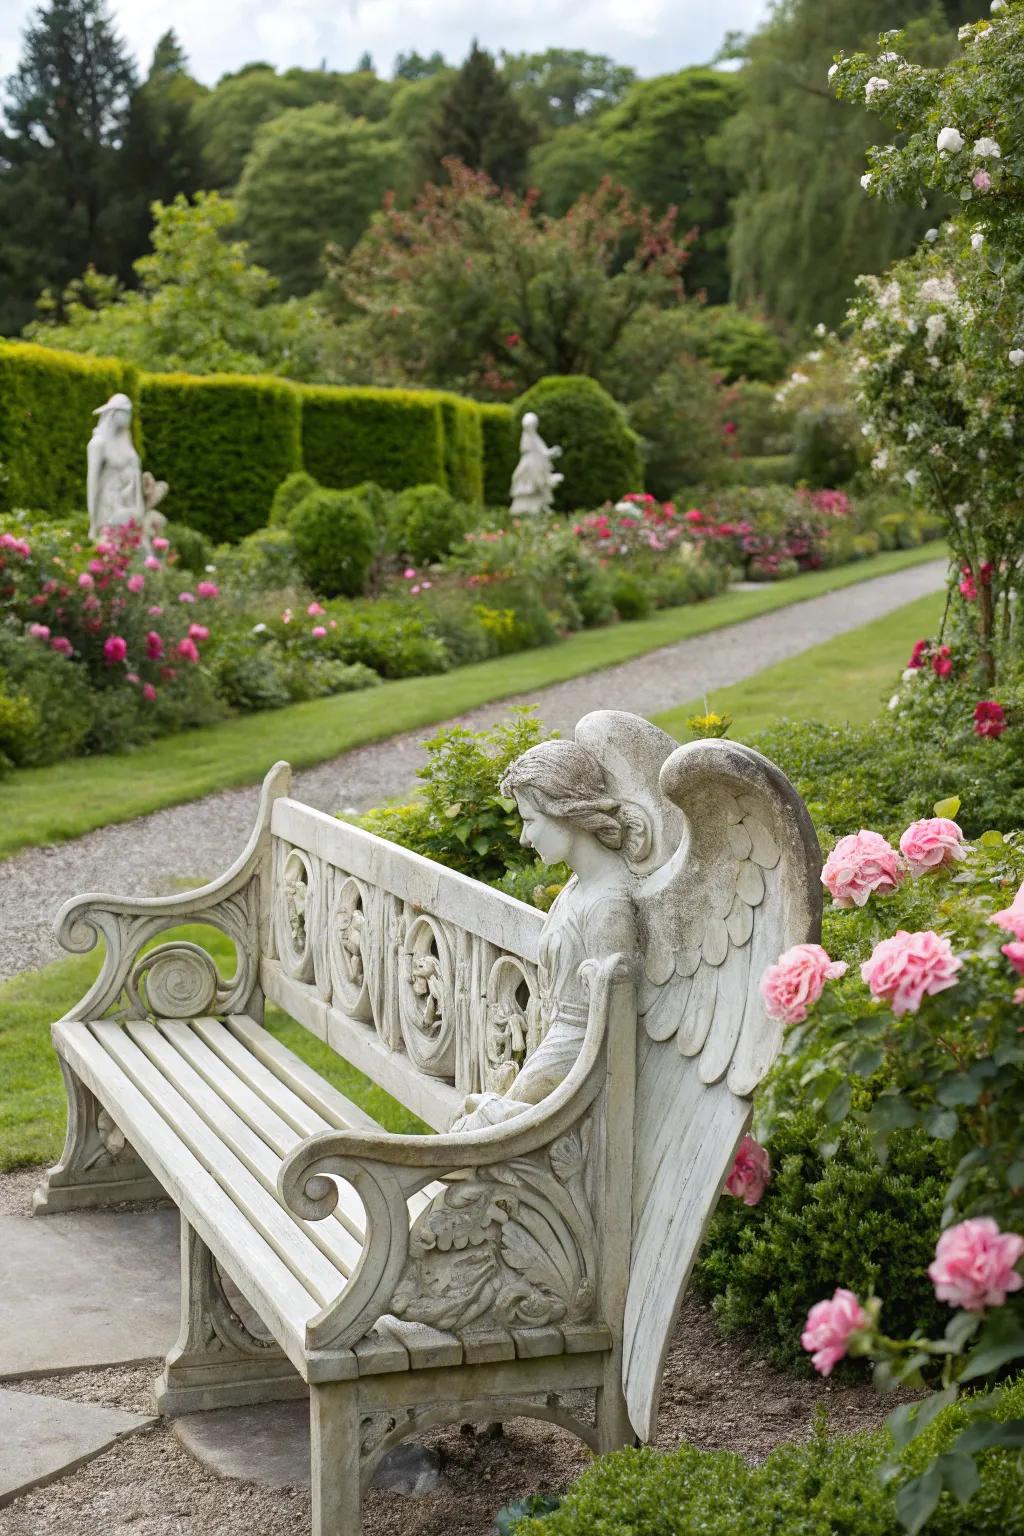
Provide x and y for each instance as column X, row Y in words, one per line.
column 190, row 843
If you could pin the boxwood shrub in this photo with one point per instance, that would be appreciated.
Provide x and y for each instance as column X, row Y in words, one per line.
column 47, row 400
column 392, row 436
column 223, row 443
column 600, row 453
column 463, row 448
column 336, row 535
column 499, row 429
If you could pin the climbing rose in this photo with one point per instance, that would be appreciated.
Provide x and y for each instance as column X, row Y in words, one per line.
column 186, row 597
column 942, row 665
column 1015, row 954
column 989, row 718
column 154, row 646
column 860, row 863
column 751, row 1170
column 987, row 148
column 151, row 563
column 982, row 180
column 951, row 139
column 829, row 1328
column 797, row 980
column 930, row 843
column 974, row 1264
column 909, row 967
column 85, row 580
column 314, row 610
column 1012, row 917
column 115, row 649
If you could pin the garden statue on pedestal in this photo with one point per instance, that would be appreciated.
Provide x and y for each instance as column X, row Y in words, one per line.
column 534, row 481
column 118, row 493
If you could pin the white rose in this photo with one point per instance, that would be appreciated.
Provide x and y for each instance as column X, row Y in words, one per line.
column 259, row 629
column 949, row 138
column 832, row 71
column 914, row 430
column 865, row 180
column 880, row 462
column 966, row 31
column 876, row 84
column 987, row 148
column 997, row 5
column 888, row 58
column 1017, row 356
column 931, row 235
column 819, row 329
column 894, row 702
column 977, row 240
column 912, row 476
column 909, row 674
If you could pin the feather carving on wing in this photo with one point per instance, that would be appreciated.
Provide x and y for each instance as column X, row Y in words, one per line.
column 741, row 886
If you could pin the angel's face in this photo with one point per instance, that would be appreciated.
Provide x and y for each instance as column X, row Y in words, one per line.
column 550, row 836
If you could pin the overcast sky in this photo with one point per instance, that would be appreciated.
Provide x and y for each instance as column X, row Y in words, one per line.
column 654, row 36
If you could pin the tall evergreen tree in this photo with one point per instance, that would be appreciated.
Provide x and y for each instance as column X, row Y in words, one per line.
column 66, row 110
column 481, row 124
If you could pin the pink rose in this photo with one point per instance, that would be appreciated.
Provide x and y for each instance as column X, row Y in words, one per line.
column 154, row 646
column 62, row 644
column 974, row 1264
column 1015, row 954
column 148, row 692
column 315, row 610
column 1012, row 917
column 830, row 1326
column 750, row 1173
column 409, row 573
column 133, row 677
column 796, row 981
column 198, row 632
column 85, row 580
column 156, row 611
column 908, row 967
column 928, row 844
column 115, row 649
column 136, row 583
column 151, row 563
column 318, row 631
column 918, row 656
column 208, row 589
column 161, row 544
column 860, row 863
column 187, row 650
column 39, row 631
column 186, row 597
column 982, row 180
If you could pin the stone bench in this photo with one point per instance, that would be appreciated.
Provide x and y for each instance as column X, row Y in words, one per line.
column 598, row 1063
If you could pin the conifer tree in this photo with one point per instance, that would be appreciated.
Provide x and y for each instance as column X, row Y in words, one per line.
column 481, row 124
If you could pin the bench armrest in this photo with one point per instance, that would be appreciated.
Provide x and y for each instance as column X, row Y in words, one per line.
column 182, row 978
column 385, row 1169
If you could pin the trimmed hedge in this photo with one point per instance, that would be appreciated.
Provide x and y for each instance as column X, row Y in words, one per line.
column 498, row 430
column 463, row 448
column 47, row 401
column 223, row 443
column 600, row 453
column 394, row 437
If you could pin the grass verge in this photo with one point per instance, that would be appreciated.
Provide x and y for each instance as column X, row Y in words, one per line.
column 65, row 800
column 841, row 682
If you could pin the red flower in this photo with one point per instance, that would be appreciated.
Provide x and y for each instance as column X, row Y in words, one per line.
column 694, row 516
column 115, row 649
column 512, row 339
column 989, row 718
column 968, row 591
column 154, row 646
column 917, row 656
column 942, row 664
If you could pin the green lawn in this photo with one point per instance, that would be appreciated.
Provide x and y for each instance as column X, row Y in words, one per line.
column 47, row 805
column 31, row 1089
column 845, row 680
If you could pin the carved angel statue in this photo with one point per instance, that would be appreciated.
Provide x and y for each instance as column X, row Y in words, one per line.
column 534, row 481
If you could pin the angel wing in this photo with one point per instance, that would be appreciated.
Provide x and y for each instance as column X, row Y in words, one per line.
column 742, row 885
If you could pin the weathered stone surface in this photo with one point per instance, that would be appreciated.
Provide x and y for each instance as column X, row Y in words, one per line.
column 44, row 1437
column 534, row 481
column 269, row 1444
column 87, row 1289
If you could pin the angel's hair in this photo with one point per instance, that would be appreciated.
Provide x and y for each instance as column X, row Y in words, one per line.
column 567, row 781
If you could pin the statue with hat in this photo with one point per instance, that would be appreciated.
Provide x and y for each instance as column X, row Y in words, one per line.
column 534, row 481
column 118, row 492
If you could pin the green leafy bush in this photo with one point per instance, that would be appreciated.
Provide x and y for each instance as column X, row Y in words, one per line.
column 827, row 1221
column 293, row 489
column 263, row 562
column 600, row 453
column 58, row 693
column 47, row 400
column 223, row 443
column 828, row 448
column 394, row 638
column 830, row 1487
column 335, row 536
column 737, row 344
column 19, row 727
column 500, row 452
column 193, row 550
column 392, row 436
column 429, row 522
column 630, row 595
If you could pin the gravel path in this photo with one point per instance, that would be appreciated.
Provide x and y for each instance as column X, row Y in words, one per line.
column 188, row 844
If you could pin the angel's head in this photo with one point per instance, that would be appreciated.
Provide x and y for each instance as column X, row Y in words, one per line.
column 562, row 794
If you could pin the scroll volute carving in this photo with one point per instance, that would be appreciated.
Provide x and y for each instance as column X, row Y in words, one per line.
column 175, row 981
column 298, row 924
column 427, row 996
column 512, row 1022
column 351, row 946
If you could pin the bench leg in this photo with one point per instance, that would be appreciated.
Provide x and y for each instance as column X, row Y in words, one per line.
column 97, row 1166
column 217, row 1362
column 334, row 1458
column 613, row 1427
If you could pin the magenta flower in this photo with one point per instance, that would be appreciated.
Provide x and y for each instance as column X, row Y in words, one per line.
column 161, row 544
column 797, row 980
column 39, row 631
column 151, row 563
column 208, row 589
column 154, row 645
column 136, row 582
column 989, row 718
column 909, row 967
column 85, row 580
column 187, row 650
column 148, row 692
column 974, row 1264
column 860, row 863
column 409, row 573
column 318, row 631
column 62, row 644
column 928, row 844
column 115, row 649
column 830, row 1327
column 750, row 1173
column 155, row 612
column 198, row 632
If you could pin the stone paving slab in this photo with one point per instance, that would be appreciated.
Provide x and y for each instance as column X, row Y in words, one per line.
column 269, row 1444
column 44, row 1437
column 88, row 1289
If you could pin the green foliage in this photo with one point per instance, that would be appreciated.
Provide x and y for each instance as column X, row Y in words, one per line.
column 58, row 694
column 600, row 454
column 429, row 522
column 463, row 448
column 47, row 400
column 832, row 1486
column 737, row 344
column 481, row 125
column 335, row 535
column 393, row 436
column 313, row 178
column 192, row 549
column 827, row 445
column 562, row 86
column 293, row 489
column 826, row 1221
column 19, row 727
column 264, row 561
column 223, row 444
column 500, row 455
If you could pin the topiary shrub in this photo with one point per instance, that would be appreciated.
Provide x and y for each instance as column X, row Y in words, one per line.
column 293, row 489
column 193, row 549
column 463, row 448
column 823, row 1222
column 47, row 400
column 393, row 436
column 499, row 436
column 335, row 535
column 429, row 523
column 600, row 453
column 223, row 443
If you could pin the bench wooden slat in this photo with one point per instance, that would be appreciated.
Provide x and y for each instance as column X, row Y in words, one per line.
column 322, row 1097
column 260, row 1159
column 427, row 1347
column 267, row 1215
column 249, row 1069
column 282, row 1301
